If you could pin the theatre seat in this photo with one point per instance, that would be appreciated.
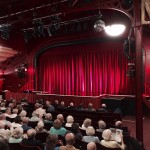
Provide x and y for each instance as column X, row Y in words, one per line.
column 25, row 147
column 41, row 136
column 101, row 147
column 14, row 146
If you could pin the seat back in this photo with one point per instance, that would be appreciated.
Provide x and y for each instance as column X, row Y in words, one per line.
column 101, row 147
column 41, row 136
column 14, row 146
column 80, row 144
column 25, row 147
column 32, row 124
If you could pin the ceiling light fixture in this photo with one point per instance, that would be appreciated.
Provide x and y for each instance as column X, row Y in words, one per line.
column 115, row 29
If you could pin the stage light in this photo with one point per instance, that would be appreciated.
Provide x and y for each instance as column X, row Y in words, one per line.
column 38, row 27
column 115, row 29
column 5, row 31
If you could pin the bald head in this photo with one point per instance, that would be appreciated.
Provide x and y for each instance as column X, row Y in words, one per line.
column 70, row 139
column 91, row 146
column 31, row 133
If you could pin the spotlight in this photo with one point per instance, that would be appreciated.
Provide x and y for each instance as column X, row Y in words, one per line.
column 5, row 31
column 54, row 24
column 27, row 36
column 38, row 27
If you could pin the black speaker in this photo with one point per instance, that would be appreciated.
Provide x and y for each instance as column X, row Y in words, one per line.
column 129, row 47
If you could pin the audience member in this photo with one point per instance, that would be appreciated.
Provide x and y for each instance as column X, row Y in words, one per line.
column 90, row 131
column 56, row 104
column 80, row 107
column 103, row 108
column 76, row 131
column 49, row 107
column 30, row 140
column 70, row 121
column 25, row 121
column 91, row 146
column 40, row 127
column 108, row 142
column 90, row 107
column 57, row 128
column 48, row 119
column 86, row 123
column 40, row 111
column 62, row 105
column 70, row 141
column 61, row 118
column 35, row 117
column 17, row 122
column 71, row 106
column 101, row 125
column 16, row 135
column 51, row 142
column 14, row 113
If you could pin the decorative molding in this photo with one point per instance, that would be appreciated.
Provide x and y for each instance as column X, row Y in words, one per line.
column 145, row 7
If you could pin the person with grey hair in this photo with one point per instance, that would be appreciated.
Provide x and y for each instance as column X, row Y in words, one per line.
column 48, row 119
column 108, row 142
column 101, row 125
column 16, row 135
column 70, row 121
column 90, row 131
column 61, row 118
column 91, row 146
column 70, row 141
column 86, row 123
column 14, row 113
column 35, row 117
column 25, row 126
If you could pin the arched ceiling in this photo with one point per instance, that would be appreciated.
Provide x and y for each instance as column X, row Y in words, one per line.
column 21, row 17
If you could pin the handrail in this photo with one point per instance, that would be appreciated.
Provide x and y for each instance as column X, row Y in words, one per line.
column 27, row 86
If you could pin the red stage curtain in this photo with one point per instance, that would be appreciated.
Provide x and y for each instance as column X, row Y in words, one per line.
column 85, row 69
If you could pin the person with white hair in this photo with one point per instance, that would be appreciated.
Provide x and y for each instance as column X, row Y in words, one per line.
column 40, row 111
column 70, row 121
column 40, row 127
column 108, row 142
column 101, row 125
column 91, row 146
column 16, row 135
column 23, row 113
column 90, row 131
